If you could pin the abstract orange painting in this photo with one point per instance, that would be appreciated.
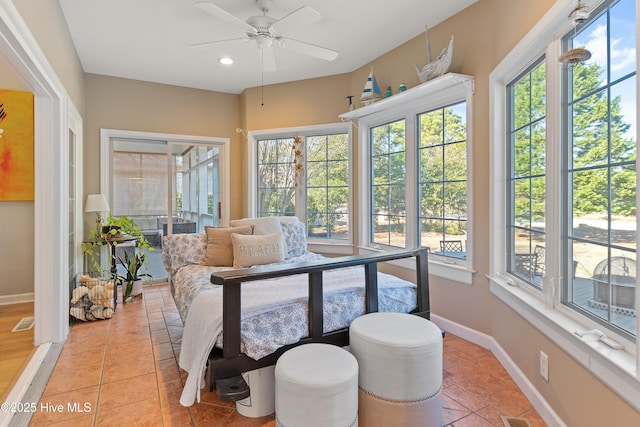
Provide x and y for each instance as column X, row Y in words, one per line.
column 16, row 145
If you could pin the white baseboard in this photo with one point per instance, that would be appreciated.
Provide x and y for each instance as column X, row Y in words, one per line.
column 486, row 341
column 15, row 299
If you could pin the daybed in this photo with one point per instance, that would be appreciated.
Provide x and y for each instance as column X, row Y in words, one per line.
column 300, row 297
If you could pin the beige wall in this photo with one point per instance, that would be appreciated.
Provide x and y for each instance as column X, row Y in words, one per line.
column 123, row 104
column 48, row 26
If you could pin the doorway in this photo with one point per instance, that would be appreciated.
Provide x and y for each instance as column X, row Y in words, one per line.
column 166, row 184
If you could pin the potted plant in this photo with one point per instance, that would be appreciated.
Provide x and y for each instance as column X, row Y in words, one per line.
column 108, row 233
column 131, row 281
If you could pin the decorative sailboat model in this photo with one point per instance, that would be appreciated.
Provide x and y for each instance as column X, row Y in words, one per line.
column 371, row 92
column 438, row 67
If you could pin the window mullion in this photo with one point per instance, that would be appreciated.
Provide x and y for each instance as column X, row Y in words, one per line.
column 552, row 279
column 411, row 194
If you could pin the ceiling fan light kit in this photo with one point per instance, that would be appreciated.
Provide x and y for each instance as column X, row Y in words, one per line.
column 265, row 29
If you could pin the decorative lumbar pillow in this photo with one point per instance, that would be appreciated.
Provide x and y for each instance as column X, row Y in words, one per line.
column 219, row 247
column 295, row 237
column 257, row 250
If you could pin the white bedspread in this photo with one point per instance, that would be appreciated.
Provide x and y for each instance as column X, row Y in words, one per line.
column 203, row 323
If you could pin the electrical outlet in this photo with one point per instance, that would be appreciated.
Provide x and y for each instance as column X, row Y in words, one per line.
column 544, row 366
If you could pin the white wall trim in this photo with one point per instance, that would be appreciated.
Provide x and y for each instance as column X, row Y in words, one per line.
column 528, row 389
column 16, row 298
column 20, row 49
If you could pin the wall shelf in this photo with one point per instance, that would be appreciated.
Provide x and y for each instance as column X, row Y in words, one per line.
column 440, row 85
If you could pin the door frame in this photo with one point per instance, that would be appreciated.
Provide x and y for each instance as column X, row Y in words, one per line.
column 106, row 163
column 51, row 224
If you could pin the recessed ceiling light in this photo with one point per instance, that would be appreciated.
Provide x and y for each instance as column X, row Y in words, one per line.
column 225, row 60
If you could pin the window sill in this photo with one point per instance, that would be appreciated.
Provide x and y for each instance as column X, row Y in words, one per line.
column 615, row 368
column 438, row 268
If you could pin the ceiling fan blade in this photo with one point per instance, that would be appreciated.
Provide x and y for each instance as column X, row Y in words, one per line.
column 298, row 18
column 309, row 49
column 224, row 15
column 268, row 58
column 205, row 44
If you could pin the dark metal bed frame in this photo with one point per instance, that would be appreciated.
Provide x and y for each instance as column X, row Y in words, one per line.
column 226, row 366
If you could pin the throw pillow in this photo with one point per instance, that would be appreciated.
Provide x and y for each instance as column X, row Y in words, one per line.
column 219, row 247
column 257, row 250
column 263, row 225
column 295, row 237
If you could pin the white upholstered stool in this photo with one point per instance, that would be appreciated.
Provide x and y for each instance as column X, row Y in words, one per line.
column 400, row 369
column 317, row 385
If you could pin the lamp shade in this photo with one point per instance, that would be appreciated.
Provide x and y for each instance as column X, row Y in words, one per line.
column 96, row 203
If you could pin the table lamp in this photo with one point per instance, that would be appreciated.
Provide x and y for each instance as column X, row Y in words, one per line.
column 97, row 203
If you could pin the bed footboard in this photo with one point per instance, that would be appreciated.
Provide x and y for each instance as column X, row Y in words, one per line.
column 225, row 367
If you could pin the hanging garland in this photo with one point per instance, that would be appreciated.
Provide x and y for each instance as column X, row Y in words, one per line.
column 298, row 166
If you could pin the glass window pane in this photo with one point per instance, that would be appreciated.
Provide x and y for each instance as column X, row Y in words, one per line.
column 623, row 119
column 590, row 124
column 622, row 42
column 455, row 162
column 522, row 153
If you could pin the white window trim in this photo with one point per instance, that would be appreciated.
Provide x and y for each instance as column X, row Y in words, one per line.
column 300, row 210
column 619, row 369
column 448, row 89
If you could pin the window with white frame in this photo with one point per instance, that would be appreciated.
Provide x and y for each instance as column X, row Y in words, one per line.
column 442, row 145
column 388, row 185
column 306, row 173
column 526, row 155
column 417, row 169
column 598, row 149
column 600, row 159
column 564, row 225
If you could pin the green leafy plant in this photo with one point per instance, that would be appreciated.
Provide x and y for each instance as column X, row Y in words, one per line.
column 132, row 265
column 107, row 234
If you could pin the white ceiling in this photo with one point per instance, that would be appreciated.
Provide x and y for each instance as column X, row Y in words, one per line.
column 150, row 39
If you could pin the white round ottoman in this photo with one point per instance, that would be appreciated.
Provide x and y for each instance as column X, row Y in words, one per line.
column 316, row 385
column 400, row 369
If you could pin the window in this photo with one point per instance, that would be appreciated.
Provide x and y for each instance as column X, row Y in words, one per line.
column 276, row 172
column 600, row 148
column 443, row 180
column 526, row 174
column 305, row 172
column 417, row 168
column 197, row 185
column 327, row 178
column 388, row 171
column 563, row 223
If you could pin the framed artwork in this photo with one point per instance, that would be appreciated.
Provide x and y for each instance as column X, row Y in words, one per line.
column 16, row 145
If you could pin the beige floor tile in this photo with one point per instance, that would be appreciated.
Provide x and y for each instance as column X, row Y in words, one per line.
column 127, row 391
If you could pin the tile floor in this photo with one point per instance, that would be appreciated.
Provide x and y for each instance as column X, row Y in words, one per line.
column 124, row 371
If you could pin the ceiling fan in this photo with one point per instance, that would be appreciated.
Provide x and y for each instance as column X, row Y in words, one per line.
column 265, row 30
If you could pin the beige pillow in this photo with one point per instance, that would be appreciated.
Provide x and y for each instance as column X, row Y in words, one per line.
column 219, row 248
column 257, row 250
column 262, row 225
